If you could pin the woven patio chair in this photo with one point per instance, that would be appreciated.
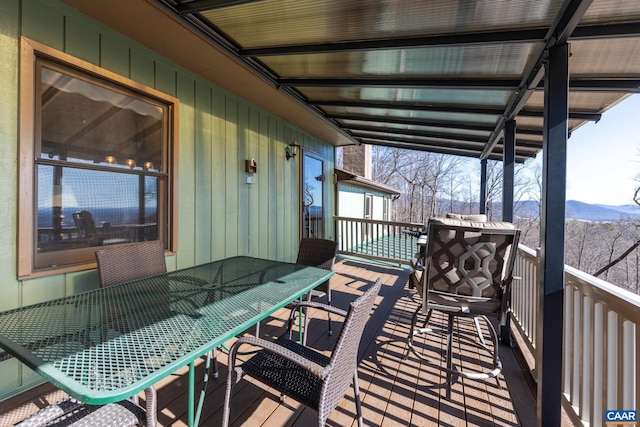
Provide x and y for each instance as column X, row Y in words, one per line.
column 71, row 412
column 467, row 271
column 130, row 262
column 116, row 265
column 310, row 377
column 318, row 253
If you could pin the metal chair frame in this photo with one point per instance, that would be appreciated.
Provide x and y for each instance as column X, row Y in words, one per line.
column 310, row 377
column 467, row 272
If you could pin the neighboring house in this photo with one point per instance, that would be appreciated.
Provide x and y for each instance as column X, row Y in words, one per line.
column 359, row 197
column 362, row 199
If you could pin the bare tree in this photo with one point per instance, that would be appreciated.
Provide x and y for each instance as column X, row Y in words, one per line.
column 494, row 186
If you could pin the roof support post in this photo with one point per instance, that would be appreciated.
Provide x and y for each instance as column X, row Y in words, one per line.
column 551, row 277
column 508, row 167
column 483, row 186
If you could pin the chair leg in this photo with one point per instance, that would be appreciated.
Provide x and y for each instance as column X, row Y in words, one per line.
column 231, row 380
column 304, row 324
column 417, row 331
column 451, row 372
column 479, row 330
column 227, row 402
column 356, row 393
column 449, row 355
column 329, row 314
column 151, row 403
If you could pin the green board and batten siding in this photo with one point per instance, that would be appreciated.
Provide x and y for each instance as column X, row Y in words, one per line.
column 219, row 215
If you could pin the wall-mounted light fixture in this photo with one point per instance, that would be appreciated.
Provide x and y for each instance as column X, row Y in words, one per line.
column 131, row 163
column 291, row 150
column 110, row 159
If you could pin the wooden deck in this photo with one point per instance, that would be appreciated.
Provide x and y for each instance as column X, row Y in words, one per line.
column 394, row 390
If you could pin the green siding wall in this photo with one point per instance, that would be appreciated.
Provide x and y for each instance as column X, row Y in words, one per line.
column 219, row 215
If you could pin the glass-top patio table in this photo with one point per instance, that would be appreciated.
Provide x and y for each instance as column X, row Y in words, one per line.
column 108, row 344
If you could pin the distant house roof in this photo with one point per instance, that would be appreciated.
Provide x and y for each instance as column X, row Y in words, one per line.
column 343, row 175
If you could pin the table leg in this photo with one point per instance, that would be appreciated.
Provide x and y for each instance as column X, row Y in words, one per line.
column 192, row 385
column 301, row 330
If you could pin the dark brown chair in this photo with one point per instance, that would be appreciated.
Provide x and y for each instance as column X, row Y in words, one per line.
column 124, row 263
column 70, row 412
column 120, row 264
column 466, row 271
column 318, row 253
column 116, row 265
column 308, row 376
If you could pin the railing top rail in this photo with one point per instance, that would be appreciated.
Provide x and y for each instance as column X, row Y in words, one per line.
column 376, row 221
column 525, row 250
column 617, row 299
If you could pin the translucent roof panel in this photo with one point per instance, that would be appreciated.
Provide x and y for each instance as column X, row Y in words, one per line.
column 469, row 132
column 426, row 115
column 284, row 22
column 580, row 101
column 461, row 67
column 471, row 61
column 607, row 11
column 438, row 96
column 613, row 57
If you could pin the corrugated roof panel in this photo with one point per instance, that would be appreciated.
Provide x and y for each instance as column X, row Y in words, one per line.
column 417, row 139
column 580, row 101
column 439, row 96
column 507, row 60
column 286, row 22
column 348, row 123
column 427, row 115
column 607, row 11
column 614, row 57
column 454, row 64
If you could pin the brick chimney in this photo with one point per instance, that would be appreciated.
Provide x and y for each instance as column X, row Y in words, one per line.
column 357, row 159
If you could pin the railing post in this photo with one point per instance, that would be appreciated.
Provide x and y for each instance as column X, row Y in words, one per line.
column 538, row 335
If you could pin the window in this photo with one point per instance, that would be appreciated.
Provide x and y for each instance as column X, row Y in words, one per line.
column 385, row 209
column 100, row 153
column 368, row 206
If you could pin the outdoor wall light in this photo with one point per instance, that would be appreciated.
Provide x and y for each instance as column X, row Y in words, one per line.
column 291, row 150
column 131, row 163
column 110, row 159
column 147, row 166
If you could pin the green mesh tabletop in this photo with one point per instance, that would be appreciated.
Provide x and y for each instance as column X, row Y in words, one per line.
column 106, row 345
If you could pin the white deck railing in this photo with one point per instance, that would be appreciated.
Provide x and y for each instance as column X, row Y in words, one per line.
column 381, row 240
column 601, row 342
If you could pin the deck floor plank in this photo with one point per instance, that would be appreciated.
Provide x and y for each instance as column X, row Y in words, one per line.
column 395, row 391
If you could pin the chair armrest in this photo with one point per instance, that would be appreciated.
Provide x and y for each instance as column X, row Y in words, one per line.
column 306, row 304
column 151, row 406
column 275, row 348
column 318, row 305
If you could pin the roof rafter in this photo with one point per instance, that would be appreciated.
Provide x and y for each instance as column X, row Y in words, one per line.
column 478, row 38
column 204, row 5
column 450, row 124
column 446, row 108
column 414, row 132
column 440, row 149
column 412, row 82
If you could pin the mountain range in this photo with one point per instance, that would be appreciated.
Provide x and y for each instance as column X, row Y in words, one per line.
column 585, row 211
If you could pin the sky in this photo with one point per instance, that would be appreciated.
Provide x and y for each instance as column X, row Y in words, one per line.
column 603, row 159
